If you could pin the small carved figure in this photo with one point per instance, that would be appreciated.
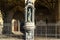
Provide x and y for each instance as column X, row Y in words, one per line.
column 29, row 15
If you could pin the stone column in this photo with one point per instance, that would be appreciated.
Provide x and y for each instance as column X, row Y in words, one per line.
column 1, row 22
column 6, row 23
column 7, row 26
column 29, row 20
column 59, row 17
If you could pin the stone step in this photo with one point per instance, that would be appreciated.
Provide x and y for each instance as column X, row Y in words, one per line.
column 45, row 38
column 20, row 37
column 11, row 37
column 34, row 39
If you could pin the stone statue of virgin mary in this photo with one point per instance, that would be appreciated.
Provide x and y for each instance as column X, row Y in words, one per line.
column 29, row 15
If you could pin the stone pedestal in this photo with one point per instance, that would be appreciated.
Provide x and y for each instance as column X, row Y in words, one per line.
column 29, row 26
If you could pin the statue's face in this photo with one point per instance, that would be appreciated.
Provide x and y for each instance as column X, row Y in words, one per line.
column 29, row 9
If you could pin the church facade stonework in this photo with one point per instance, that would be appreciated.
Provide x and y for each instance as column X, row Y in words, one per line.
column 13, row 18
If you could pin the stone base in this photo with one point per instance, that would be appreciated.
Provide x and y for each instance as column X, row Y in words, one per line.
column 29, row 26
